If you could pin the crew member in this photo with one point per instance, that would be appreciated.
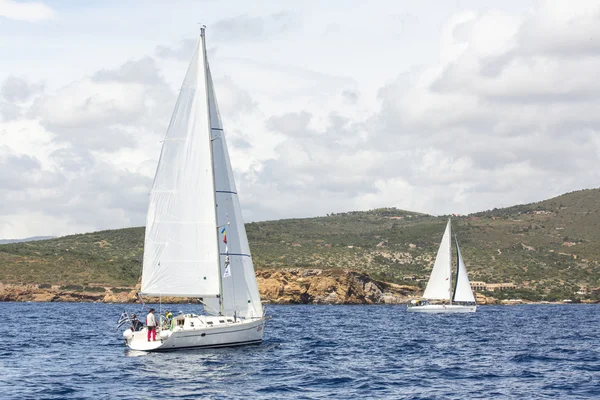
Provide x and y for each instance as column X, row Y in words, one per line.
column 136, row 324
column 168, row 319
column 151, row 324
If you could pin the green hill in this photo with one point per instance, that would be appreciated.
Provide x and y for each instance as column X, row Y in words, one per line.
column 548, row 248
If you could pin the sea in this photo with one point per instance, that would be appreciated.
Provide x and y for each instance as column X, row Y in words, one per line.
column 74, row 351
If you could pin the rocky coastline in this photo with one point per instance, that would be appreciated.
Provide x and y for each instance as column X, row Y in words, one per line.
column 276, row 286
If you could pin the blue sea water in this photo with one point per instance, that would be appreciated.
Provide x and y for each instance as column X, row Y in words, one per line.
column 73, row 351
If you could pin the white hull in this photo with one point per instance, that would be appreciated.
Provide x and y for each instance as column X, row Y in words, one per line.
column 201, row 332
column 441, row 308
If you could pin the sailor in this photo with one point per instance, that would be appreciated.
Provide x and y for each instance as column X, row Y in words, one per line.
column 136, row 324
column 151, row 324
column 168, row 319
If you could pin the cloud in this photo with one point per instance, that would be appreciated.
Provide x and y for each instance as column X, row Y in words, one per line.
column 142, row 71
column 26, row 11
column 79, row 157
column 183, row 51
column 15, row 89
column 88, row 103
column 238, row 29
column 9, row 111
column 291, row 124
column 525, row 131
column 237, row 101
column 79, row 191
column 15, row 93
column 351, row 96
column 21, row 170
column 110, row 109
column 502, row 119
column 247, row 28
column 103, row 198
column 70, row 160
column 562, row 30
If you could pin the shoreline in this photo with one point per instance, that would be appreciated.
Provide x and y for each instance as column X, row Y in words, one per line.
column 84, row 299
column 30, row 293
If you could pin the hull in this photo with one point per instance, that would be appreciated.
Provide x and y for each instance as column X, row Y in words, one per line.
column 201, row 332
column 441, row 308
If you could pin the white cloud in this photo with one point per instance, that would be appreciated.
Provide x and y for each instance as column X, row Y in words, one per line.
column 16, row 89
column 181, row 51
column 26, row 11
column 80, row 157
column 246, row 27
column 460, row 136
column 367, row 112
column 88, row 103
column 111, row 110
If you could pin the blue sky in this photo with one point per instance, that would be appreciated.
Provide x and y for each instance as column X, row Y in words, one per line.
column 437, row 107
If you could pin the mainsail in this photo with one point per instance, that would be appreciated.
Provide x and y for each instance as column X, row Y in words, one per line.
column 462, row 291
column 439, row 284
column 180, row 248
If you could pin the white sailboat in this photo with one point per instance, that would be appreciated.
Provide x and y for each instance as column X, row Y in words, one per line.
column 439, row 286
column 196, row 244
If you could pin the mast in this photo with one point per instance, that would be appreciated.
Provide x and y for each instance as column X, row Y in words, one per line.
column 212, row 162
column 450, row 263
column 457, row 269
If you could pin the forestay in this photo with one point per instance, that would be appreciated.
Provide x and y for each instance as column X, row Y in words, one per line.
column 439, row 284
column 181, row 249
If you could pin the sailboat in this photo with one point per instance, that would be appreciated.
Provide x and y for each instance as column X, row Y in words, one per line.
column 196, row 244
column 439, row 287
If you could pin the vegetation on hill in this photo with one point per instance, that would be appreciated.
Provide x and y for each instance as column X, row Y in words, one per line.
column 107, row 257
column 549, row 249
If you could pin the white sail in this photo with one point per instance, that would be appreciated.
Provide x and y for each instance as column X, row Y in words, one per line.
column 240, row 291
column 463, row 291
column 181, row 250
column 439, row 285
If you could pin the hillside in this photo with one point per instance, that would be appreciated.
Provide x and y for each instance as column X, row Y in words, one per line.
column 549, row 248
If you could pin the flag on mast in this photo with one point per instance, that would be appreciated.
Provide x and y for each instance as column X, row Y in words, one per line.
column 227, row 271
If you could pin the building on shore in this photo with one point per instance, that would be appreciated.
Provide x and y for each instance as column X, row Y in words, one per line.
column 492, row 287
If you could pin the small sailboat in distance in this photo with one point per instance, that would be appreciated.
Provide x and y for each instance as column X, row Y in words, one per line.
column 196, row 244
column 439, row 297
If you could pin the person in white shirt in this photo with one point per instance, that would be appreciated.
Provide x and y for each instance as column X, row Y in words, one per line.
column 151, row 324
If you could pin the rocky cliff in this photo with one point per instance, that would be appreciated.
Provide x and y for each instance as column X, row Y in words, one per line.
column 318, row 286
column 28, row 292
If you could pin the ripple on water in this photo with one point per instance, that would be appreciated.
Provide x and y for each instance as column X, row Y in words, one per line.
column 312, row 352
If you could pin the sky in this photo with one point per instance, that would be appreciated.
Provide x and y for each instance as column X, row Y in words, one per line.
column 430, row 106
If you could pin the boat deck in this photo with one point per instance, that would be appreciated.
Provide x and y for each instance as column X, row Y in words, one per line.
column 200, row 331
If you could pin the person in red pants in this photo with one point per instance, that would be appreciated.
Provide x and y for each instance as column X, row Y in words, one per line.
column 151, row 324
